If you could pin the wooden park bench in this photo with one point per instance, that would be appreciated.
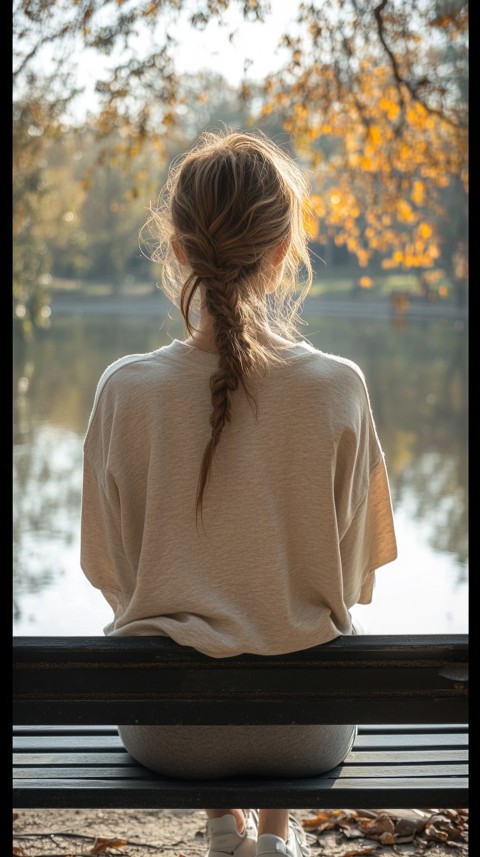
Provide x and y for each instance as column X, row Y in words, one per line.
column 409, row 693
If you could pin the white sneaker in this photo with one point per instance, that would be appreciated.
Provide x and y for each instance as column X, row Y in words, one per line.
column 224, row 838
column 296, row 845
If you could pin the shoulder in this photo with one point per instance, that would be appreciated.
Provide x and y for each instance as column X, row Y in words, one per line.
column 130, row 369
column 124, row 381
column 327, row 370
column 117, row 375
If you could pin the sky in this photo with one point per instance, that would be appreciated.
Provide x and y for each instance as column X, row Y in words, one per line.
column 254, row 40
column 210, row 49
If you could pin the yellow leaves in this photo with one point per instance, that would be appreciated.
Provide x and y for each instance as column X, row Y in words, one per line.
column 424, row 230
column 365, row 282
column 300, row 116
column 416, row 112
column 405, row 214
column 367, row 164
column 377, row 181
column 363, row 257
column 411, row 254
column 374, row 135
column 418, row 193
column 328, row 818
column 389, row 107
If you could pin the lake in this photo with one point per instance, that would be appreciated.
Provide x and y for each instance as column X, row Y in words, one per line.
column 416, row 372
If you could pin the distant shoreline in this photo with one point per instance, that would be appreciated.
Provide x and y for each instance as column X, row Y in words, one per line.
column 362, row 306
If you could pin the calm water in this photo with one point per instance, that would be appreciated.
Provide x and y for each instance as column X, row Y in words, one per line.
column 417, row 377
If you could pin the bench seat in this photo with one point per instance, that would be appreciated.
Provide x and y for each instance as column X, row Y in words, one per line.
column 388, row 766
column 408, row 692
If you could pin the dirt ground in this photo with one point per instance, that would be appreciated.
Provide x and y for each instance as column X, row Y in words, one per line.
column 181, row 833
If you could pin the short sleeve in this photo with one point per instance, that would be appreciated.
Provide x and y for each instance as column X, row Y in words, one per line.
column 369, row 542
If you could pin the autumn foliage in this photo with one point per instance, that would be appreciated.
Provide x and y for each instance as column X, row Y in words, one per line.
column 372, row 97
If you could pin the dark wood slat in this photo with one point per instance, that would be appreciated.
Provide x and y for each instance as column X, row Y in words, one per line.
column 437, row 739
column 385, row 792
column 124, row 650
column 76, row 758
column 366, row 728
column 60, row 758
column 296, row 709
column 354, row 757
column 80, row 729
column 48, row 743
column 343, row 772
column 413, row 678
column 150, row 682
column 88, row 773
column 363, row 728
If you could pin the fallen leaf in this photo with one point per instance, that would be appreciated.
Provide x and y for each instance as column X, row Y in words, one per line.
column 405, row 827
column 387, row 838
column 18, row 852
column 15, row 815
column 433, row 832
column 353, row 833
column 327, row 820
column 319, row 818
column 379, row 825
column 101, row 845
column 443, row 822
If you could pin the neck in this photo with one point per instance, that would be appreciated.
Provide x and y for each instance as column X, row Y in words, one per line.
column 203, row 337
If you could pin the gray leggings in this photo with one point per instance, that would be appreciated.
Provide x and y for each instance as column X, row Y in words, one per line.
column 209, row 752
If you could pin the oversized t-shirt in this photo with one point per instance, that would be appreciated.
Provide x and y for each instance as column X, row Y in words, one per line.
column 297, row 513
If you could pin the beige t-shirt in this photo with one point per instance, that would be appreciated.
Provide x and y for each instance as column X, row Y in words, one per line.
column 297, row 512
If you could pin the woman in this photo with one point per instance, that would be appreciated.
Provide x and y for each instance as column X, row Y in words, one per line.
column 235, row 493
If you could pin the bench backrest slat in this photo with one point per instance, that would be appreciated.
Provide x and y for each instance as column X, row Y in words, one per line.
column 361, row 679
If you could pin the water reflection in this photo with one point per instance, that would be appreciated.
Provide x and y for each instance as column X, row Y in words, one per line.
column 417, row 377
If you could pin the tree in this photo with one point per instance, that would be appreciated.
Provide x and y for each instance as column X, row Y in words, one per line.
column 376, row 100
column 374, row 97
column 36, row 123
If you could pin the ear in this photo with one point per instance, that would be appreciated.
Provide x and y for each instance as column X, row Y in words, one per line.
column 279, row 252
column 179, row 254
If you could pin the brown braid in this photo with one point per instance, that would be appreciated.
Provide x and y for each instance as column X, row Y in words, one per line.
column 234, row 365
column 229, row 203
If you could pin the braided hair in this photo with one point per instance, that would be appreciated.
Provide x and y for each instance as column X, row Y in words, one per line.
column 228, row 203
